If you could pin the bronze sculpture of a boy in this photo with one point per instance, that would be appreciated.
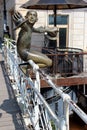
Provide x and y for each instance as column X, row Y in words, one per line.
column 24, row 38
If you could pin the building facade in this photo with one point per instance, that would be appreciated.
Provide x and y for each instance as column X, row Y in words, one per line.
column 71, row 23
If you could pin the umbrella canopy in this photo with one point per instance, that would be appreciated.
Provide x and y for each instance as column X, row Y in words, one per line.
column 52, row 4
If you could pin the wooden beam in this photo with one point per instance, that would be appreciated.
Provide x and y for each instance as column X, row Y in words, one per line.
column 68, row 81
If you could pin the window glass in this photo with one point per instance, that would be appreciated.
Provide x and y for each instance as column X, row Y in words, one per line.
column 62, row 37
column 62, row 24
column 60, row 19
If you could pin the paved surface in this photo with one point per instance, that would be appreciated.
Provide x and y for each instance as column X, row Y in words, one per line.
column 10, row 117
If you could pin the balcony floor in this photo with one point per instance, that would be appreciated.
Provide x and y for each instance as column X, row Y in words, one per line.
column 79, row 79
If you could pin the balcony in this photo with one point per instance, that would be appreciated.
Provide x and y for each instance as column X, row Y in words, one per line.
column 69, row 66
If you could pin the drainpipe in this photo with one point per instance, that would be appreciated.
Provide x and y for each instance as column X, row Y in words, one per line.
column 5, row 14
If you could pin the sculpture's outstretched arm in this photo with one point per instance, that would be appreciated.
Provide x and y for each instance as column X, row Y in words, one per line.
column 45, row 29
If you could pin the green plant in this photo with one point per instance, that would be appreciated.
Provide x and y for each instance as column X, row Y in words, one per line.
column 53, row 125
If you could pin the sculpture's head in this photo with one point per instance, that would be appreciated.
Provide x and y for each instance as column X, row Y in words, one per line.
column 32, row 17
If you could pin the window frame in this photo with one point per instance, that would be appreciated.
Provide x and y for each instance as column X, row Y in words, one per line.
column 62, row 26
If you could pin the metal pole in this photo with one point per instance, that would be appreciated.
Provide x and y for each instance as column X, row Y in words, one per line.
column 36, row 68
column 5, row 15
column 66, row 113
column 55, row 15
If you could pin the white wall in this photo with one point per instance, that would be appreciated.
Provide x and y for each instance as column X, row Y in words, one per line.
column 85, row 31
column 38, row 39
column 77, row 31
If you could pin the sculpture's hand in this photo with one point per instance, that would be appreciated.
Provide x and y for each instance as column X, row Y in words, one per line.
column 52, row 32
column 51, row 29
column 18, row 19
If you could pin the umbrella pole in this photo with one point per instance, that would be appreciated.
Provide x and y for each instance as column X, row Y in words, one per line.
column 57, row 44
column 55, row 15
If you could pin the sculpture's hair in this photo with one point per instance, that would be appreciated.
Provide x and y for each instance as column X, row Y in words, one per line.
column 27, row 14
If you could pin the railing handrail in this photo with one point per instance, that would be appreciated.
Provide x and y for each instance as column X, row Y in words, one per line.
column 66, row 98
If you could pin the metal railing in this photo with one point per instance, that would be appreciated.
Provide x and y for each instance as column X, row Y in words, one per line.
column 67, row 61
column 36, row 112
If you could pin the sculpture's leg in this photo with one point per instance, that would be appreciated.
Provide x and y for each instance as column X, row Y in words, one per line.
column 40, row 59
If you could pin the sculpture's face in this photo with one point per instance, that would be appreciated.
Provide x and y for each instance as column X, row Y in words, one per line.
column 32, row 17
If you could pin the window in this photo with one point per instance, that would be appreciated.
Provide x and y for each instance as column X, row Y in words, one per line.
column 62, row 24
column 60, row 20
